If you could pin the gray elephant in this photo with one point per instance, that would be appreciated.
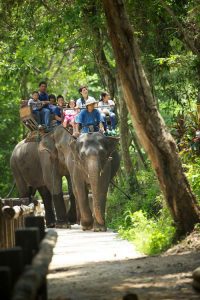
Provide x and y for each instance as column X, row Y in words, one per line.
column 95, row 163
column 41, row 166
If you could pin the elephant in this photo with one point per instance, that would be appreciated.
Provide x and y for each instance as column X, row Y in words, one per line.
column 95, row 163
column 40, row 166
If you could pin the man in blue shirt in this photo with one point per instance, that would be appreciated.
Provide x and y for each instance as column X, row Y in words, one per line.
column 45, row 112
column 90, row 118
column 43, row 96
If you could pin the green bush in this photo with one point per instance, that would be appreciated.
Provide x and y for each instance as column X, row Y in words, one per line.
column 150, row 236
column 142, row 219
column 192, row 172
column 145, row 199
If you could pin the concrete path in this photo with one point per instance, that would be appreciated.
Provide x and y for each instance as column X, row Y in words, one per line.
column 79, row 257
column 100, row 266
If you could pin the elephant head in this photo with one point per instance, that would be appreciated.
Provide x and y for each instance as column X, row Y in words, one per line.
column 95, row 156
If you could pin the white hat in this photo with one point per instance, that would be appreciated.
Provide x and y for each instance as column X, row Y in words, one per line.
column 90, row 101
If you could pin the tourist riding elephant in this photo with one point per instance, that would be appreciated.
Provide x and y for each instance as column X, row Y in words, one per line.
column 95, row 163
column 41, row 166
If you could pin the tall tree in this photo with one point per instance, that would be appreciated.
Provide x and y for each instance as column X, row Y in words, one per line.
column 149, row 125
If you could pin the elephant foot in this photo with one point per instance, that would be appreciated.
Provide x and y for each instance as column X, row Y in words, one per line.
column 89, row 227
column 87, row 224
column 72, row 219
column 99, row 228
column 63, row 226
column 51, row 225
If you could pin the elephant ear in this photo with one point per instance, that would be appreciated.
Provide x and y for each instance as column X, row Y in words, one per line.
column 48, row 144
column 73, row 147
column 112, row 143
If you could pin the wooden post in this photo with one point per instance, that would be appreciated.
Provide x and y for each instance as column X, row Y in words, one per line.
column 12, row 258
column 28, row 239
column 32, row 284
column 5, row 283
column 38, row 221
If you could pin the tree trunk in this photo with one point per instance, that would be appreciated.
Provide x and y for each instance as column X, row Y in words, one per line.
column 124, row 145
column 137, row 146
column 124, row 133
column 149, row 125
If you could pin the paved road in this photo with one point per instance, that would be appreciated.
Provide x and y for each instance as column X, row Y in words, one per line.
column 80, row 256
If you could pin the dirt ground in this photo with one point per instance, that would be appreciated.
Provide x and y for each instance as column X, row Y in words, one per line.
column 89, row 265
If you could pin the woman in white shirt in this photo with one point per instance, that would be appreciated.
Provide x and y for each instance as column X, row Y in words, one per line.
column 107, row 107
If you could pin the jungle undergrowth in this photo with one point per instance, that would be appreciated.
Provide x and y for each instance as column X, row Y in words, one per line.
column 144, row 219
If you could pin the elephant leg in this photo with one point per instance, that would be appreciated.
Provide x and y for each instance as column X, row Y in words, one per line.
column 78, row 213
column 31, row 193
column 61, row 212
column 81, row 194
column 72, row 213
column 53, row 181
column 48, row 206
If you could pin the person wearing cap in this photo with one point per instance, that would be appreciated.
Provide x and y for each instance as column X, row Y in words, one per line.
column 83, row 90
column 89, row 118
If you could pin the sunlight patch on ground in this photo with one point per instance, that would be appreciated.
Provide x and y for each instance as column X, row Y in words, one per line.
column 155, row 281
column 77, row 247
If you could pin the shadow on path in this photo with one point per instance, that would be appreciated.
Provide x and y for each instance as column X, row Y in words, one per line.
column 157, row 277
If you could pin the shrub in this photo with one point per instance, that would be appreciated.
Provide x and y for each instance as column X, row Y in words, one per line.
column 142, row 219
column 150, row 236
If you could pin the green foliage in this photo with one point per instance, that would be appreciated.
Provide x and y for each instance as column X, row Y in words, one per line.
column 192, row 172
column 59, row 43
column 143, row 219
column 144, row 199
column 39, row 42
column 150, row 235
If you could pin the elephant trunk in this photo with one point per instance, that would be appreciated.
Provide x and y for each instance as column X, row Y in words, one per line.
column 94, row 169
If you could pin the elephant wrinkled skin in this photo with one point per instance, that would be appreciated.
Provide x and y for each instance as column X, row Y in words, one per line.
column 41, row 166
column 95, row 163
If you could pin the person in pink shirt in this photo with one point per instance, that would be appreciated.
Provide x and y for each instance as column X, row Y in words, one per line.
column 70, row 114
